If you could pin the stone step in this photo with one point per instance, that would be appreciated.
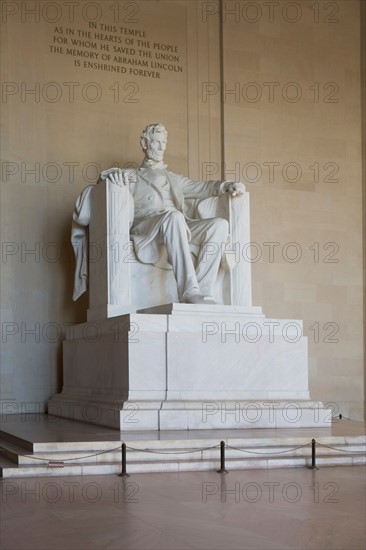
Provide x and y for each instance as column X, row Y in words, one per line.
column 10, row 470
column 11, row 451
column 144, row 440
column 24, row 443
column 170, row 455
column 142, row 451
column 15, row 440
column 145, row 456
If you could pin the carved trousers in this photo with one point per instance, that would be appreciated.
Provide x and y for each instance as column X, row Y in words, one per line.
column 209, row 236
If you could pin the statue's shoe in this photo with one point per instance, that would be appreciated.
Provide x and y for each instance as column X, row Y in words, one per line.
column 197, row 298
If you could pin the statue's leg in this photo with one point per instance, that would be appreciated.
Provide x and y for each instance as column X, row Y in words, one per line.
column 211, row 235
column 174, row 234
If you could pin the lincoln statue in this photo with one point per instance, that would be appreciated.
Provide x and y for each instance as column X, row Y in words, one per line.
column 161, row 217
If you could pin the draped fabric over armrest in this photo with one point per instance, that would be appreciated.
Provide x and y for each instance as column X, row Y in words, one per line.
column 79, row 240
column 80, row 233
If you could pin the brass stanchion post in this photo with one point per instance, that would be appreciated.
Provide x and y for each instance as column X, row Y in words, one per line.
column 124, row 462
column 222, row 459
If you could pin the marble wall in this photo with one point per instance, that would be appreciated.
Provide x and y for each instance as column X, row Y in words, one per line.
column 80, row 81
column 293, row 129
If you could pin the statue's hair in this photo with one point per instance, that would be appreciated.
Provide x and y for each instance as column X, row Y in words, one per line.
column 151, row 129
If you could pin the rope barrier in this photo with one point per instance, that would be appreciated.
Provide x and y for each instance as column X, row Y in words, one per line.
column 341, row 417
column 189, row 451
column 123, row 447
column 173, row 452
column 341, row 450
column 67, row 459
column 268, row 453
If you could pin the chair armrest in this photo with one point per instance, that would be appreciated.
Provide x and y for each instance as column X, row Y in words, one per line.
column 224, row 206
column 213, row 207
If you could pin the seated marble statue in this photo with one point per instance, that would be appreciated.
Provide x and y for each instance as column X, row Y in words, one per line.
column 161, row 217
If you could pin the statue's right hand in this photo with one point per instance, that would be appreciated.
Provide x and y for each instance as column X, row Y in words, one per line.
column 117, row 176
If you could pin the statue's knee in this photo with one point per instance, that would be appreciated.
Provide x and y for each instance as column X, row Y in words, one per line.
column 173, row 223
column 176, row 217
column 222, row 226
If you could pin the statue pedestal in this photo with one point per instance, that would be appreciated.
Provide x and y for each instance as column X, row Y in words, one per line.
column 181, row 366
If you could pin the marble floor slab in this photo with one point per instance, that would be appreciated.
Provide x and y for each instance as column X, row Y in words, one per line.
column 274, row 509
column 258, row 509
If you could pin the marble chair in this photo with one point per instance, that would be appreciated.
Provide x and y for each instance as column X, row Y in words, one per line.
column 118, row 283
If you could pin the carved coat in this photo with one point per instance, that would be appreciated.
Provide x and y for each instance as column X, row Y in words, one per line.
column 150, row 209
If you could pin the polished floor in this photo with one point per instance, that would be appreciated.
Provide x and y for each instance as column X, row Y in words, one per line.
column 257, row 509
column 295, row 508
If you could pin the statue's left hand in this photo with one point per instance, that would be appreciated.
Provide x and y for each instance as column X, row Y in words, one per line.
column 235, row 188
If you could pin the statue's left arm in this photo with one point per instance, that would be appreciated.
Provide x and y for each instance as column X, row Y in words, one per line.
column 203, row 189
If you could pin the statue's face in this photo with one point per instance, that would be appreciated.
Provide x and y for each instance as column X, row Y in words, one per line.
column 155, row 146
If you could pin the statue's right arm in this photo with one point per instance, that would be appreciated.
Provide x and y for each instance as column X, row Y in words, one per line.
column 118, row 176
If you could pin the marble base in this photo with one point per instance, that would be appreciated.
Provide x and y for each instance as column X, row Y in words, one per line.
column 107, row 311
column 209, row 415
column 193, row 415
column 182, row 366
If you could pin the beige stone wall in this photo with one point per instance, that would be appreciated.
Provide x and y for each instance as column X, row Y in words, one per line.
column 296, row 74
column 80, row 120
column 71, row 136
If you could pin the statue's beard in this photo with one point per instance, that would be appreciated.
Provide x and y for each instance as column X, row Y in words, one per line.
column 154, row 155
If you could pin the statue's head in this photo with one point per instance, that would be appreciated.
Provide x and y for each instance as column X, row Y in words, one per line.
column 153, row 141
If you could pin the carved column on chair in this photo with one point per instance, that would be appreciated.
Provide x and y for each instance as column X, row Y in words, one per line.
column 109, row 246
column 237, row 211
column 241, row 277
